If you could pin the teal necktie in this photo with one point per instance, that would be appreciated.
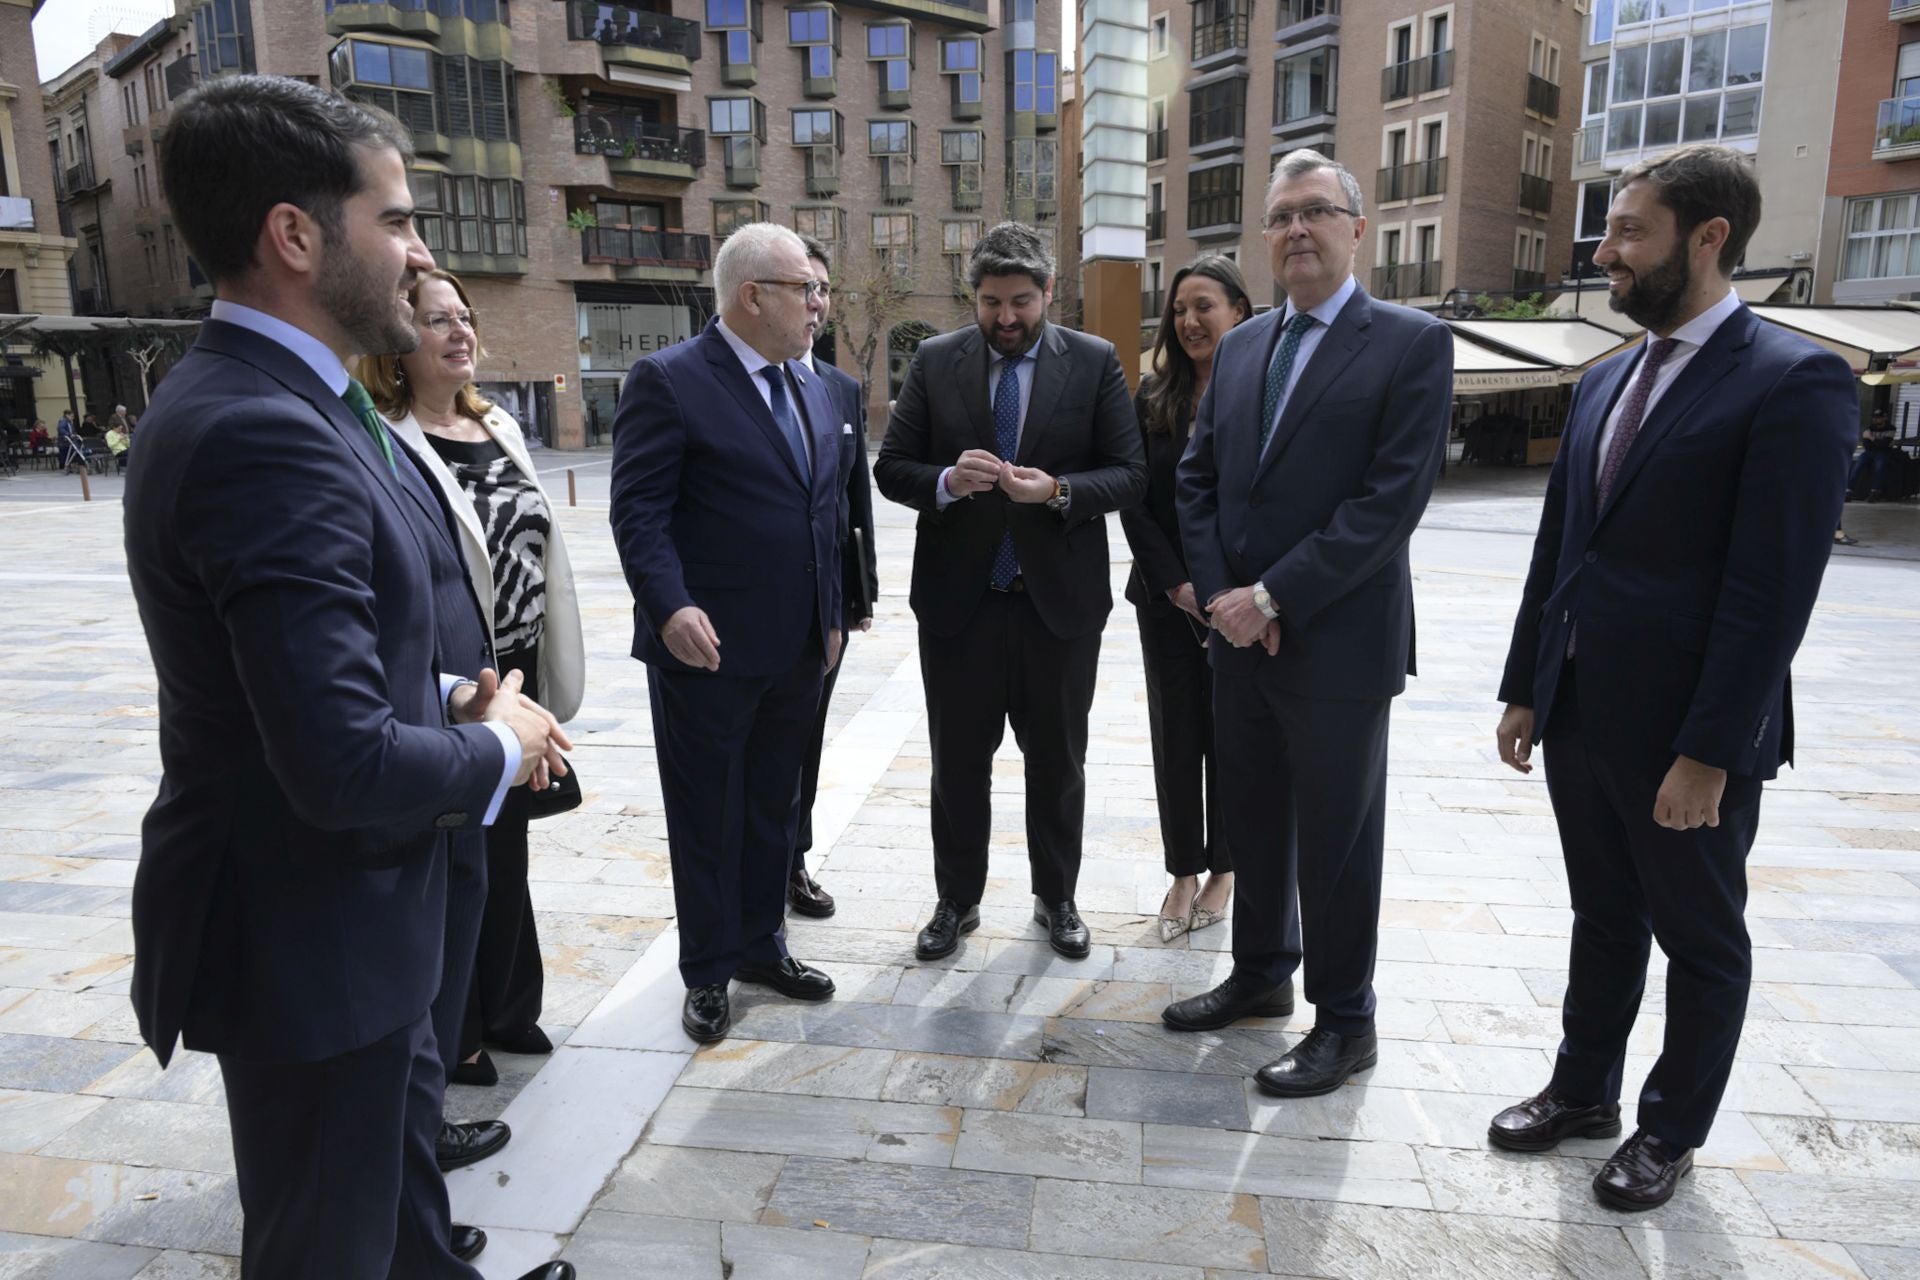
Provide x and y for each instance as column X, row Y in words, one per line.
column 362, row 405
column 1279, row 371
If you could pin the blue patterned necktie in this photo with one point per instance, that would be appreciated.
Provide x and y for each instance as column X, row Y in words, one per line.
column 783, row 417
column 1279, row 371
column 1006, row 439
column 362, row 405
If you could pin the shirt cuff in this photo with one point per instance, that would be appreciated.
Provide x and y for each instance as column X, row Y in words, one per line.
column 510, row 743
column 447, row 685
column 943, row 497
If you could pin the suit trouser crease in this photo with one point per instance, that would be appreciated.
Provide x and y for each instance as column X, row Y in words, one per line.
column 1304, row 787
column 1186, row 775
column 335, row 1163
column 1632, row 882
column 1006, row 668
column 810, row 767
column 729, row 750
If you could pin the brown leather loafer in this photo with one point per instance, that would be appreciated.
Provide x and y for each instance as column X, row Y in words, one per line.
column 1642, row 1174
column 805, row 896
column 1542, row 1121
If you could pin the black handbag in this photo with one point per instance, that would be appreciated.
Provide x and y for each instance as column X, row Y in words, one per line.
column 561, row 796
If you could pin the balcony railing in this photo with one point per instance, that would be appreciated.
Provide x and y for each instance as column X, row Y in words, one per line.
column 1219, row 123
column 1898, row 135
column 1543, row 97
column 78, row 178
column 1153, row 302
column 1223, row 35
column 626, row 135
column 1407, row 280
column 1156, row 145
column 1528, row 282
column 1589, row 144
column 1536, row 193
column 1417, row 76
column 1412, row 181
column 1156, row 224
column 619, row 24
column 625, row 247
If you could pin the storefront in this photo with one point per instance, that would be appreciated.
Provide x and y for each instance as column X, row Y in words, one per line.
column 619, row 325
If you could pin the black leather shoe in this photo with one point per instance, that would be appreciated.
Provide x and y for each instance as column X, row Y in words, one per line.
column 805, row 895
column 552, row 1271
column 531, row 1041
column 707, row 1016
column 1642, row 1174
column 461, row 1144
column 480, row 1071
column 792, row 979
column 1066, row 931
column 1539, row 1123
column 467, row 1242
column 942, row 933
column 1227, row 1003
column 1321, row 1063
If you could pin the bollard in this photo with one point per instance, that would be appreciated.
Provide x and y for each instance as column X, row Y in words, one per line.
column 86, row 485
column 573, row 491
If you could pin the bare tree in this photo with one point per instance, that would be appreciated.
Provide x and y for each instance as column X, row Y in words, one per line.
column 874, row 293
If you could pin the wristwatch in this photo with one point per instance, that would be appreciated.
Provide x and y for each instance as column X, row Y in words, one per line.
column 1263, row 601
column 1060, row 498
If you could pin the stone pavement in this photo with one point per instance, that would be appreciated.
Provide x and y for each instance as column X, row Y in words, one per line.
column 1007, row 1113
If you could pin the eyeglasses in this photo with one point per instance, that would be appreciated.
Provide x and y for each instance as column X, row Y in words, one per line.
column 441, row 322
column 1313, row 215
column 811, row 289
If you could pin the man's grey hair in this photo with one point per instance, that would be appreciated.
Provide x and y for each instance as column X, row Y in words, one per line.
column 750, row 253
column 1010, row 249
column 1297, row 164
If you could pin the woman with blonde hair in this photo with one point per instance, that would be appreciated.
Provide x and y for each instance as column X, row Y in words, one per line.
column 475, row 452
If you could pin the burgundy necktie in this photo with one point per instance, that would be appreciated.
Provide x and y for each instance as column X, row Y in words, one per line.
column 1634, row 410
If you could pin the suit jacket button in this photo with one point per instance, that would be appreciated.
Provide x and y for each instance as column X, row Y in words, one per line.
column 448, row 821
column 809, row 566
column 1592, row 556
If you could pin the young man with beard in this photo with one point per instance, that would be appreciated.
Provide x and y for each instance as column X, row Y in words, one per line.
column 1013, row 439
column 1686, row 526
column 309, row 625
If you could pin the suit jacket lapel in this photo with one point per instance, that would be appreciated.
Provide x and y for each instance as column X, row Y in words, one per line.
column 1236, row 408
column 1343, row 341
column 733, row 376
column 970, row 369
column 1583, row 435
column 1049, row 381
column 819, row 421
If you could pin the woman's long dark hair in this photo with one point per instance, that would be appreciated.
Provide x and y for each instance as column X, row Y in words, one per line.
column 1170, row 398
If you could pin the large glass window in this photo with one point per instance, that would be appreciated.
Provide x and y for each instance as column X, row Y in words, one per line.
column 465, row 213
column 1218, row 111
column 959, row 146
column 892, row 230
column 1596, row 104
column 1303, row 86
column 445, row 93
column 1213, row 196
column 1696, row 88
column 816, row 127
column 731, row 115
column 889, row 137
column 1595, row 199
column 1033, row 168
column 1881, row 238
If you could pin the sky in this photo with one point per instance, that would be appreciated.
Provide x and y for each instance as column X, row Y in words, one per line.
column 66, row 30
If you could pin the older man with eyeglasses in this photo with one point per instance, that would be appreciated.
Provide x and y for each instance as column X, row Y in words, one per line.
column 1313, row 454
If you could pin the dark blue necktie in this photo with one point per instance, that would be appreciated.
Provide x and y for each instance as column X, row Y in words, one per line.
column 1279, row 371
column 784, row 418
column 1006, row 439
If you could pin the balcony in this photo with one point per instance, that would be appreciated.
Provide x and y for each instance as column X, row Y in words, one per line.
column 1156, row 145
column 1407, row 280
column 1543, row 97
column 1412, row 181
column 626, row 247
column 78, row 179
column 1222, row 126
column 16, row 213
column 1528, row 283
column 741, row 152
column 1536, row 193
column 1416, row 76
column 966, row 15
column 640, row 147
column 896, row 180
column 1156, row 224
column 1589, row 144
column 1220, row 40
column 635, row 38
column 1898, row 137
column 1904, row 10
column 1305, row 19
column 1153, row 303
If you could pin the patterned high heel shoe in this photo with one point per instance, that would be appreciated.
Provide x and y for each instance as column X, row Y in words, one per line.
column 1172, row 927
column 1205, row 919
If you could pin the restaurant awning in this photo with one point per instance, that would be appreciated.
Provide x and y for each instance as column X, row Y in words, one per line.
column 1857, row 334
column 1571, row 345
column 1479, row 369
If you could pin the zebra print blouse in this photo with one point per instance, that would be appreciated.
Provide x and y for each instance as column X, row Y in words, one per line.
column 515, row 516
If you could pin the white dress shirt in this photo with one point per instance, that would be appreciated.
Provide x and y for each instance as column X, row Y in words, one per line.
column 319, row 357
column 1690, row 336
column 754, row 362
column 1326, row 313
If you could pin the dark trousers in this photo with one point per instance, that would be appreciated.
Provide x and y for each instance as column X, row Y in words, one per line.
column 1186, row 777
column 1876, row 472
column 466, row 903
column 1006, row 667
column 508, row 982
column 1303, row 783
column 1631, row 881
column 335, row 1163
column 729, row 750
column 810, row 767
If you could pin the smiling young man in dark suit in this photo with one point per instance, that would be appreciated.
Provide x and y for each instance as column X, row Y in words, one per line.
column 729, row 508
column 1313, row 454
column 1013, row 438
column 303, row 603
column 1686, row 527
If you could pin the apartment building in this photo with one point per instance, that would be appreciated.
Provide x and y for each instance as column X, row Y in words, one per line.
column 1450, row 115
column 1868, row 252
column 1755, row 75
column 577, row 163
column 33, row 251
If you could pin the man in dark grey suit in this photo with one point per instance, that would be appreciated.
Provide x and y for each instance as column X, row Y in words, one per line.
column 1313, row 455
column 1013, row 439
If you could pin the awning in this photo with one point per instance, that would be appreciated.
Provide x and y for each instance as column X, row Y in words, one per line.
column 1759, row 288
column 18, row 371
column 1479, row 370
column 20, row 328
column 1858, row 334
column 1590, row 304
column 1565, row 344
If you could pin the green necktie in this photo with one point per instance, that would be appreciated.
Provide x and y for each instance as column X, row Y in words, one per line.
column 362, row 405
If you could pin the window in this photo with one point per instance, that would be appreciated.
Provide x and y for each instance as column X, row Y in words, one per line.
column 430, row 93
column 224, row 33
column 1881, row 239
column 394, row 78
column 1213, row 197
column 731, row 215
column 959, row 146
column 156, row 89
column 1157, row 37
column 1433, row 135
column 1591, row 214
column 889, row 137
column 821, row 221
column 1016, row 10
column 1218, row 112
column 960, row 60
column 130, row 102
column 1303, row 86
column 465, row 213
column 1602, row 22
column 818, row 127
column 1035, row 79
column 1047, row 80
column 890, row 49
column 810, row 26
column 738, row 24
column 959, row 236
column 735, row 116
column 1596, row 105
column 1033, row 165
column 1438, row 33
column 1390, row 253
column 1696, row 88
column 892, row 230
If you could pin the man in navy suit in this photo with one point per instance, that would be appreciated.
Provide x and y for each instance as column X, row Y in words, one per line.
column 1685, row 530
column 729, row 506
column 1313, row 454
column 290, row 569
column 859, row 581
